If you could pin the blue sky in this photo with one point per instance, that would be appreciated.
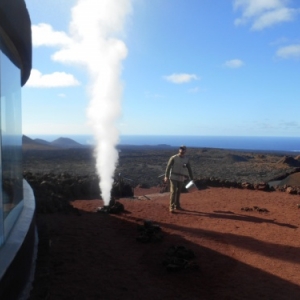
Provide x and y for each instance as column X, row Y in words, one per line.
column 187, row 67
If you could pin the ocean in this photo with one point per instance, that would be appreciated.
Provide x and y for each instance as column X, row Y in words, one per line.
column 290, row 144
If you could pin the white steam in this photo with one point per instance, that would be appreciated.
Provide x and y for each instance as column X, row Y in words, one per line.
column 94, row 44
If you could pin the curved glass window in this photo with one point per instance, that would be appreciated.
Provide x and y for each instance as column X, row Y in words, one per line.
column 11, row 189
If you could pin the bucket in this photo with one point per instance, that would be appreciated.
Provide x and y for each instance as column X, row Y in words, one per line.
column 191, row 186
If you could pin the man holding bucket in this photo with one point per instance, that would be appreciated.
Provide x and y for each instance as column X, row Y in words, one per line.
column 177, row 170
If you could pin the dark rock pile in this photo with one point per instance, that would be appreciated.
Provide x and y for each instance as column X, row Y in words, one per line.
column 289, row 189
column 179, row 258
column 262, row 186
column 215, row 182
column 114, row 207
column 53, row 192
column 121, row 189
column 176, row 257
column 204, row 183
column 149, row 232
column 255, row 208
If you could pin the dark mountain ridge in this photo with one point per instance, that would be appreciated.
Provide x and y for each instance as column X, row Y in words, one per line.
column 40, row 144
column 63, row 142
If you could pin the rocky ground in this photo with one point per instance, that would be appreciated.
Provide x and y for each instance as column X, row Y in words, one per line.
column 144, row 165
column 220, row 246
column 244, row 242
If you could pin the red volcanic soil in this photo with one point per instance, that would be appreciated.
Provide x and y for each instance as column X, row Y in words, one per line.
column 241, row 254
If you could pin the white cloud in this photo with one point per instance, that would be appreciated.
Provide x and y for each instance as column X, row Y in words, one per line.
column 264, row 13
column 273, row 17
column 234, row 63
column 56, row 79
column 291, row 51
column 44, row 35
column 62, row 95
column 181, row 78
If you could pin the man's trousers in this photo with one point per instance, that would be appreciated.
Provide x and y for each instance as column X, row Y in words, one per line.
column 175, row 190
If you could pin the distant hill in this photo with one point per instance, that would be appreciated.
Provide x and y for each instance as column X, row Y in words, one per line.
column 66, row 143
column 43, row 142
column 289, row 160
column 40, row 144
column 30, row 144
column 27, row 140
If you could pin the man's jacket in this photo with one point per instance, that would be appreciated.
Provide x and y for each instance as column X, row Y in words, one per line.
column 179, row 168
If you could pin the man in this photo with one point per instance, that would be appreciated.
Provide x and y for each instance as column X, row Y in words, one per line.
column 177, row 170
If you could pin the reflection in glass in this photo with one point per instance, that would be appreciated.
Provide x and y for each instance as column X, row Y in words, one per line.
column 11, row 192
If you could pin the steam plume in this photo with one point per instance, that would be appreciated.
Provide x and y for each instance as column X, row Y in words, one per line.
column 94, row 44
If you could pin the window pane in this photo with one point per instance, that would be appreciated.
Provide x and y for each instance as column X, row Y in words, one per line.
column 11, row 140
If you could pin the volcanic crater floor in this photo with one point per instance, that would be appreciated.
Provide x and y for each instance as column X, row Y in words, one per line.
column 240, row 254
